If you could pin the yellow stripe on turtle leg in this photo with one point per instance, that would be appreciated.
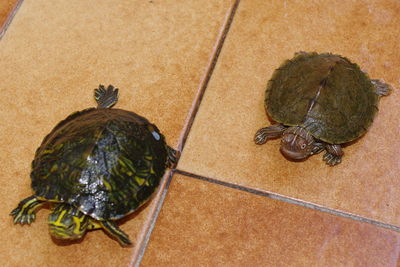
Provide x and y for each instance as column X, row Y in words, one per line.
column 81, row 224
column 25, row 212
column 60, row 218
column 93, row 224
column 111, row 228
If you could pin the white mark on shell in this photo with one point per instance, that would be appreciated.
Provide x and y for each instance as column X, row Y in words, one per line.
column 156, row 135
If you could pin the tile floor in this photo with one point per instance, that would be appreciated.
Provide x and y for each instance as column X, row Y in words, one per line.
column 198, row 70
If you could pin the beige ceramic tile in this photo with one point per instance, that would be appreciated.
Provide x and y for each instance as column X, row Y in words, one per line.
column 263, row 35
column 204, row 224
column 51, row 58
column 6, row 7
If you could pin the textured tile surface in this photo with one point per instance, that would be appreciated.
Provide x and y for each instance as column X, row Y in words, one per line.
column 204, row 224
column 51, row 58
column 264, row 33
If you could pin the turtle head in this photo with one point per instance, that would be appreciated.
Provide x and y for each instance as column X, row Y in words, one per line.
column 297, row 143
column 67, row 222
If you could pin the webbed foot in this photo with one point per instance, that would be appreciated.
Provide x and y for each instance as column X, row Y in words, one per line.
column 106, row 98
column 172, row 157
column 333, row 155
column 381, row 88
column 25, row 212
column 318, row 147
column 331, row 159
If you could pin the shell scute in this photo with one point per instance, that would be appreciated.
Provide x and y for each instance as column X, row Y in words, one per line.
column 106, row 162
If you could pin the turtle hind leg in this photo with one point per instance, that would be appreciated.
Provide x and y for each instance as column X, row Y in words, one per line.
column 112, row 229
column 172, row 157
column 381, row 88
column 25, row 212
column 270, row 132
column 106, row 98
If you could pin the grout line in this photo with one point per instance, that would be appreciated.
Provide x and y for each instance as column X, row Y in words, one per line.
column 207, row 76
column 148, row 225
column 9, row 19
column 292, row 201
column 152, row 218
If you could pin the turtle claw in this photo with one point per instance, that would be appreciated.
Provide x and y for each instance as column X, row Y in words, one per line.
column 318, row 147
column 15, row 213
column 260, row 138
column 106, row 98
column 22, row 217
column 172, row 157
column 332, row 159
column 125, row 241
column 381, row 88
column 30, row 218
column 267, row 133
column 25, row 212
column 112, row 229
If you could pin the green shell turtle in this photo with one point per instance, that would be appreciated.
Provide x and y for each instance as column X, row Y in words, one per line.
column 96, row 166
column 319, row 101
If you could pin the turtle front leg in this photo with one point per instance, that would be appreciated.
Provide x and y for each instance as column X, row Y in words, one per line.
column 270, row 132
column 317, row 148
column 333, row 155
column 111, row 228
column 24, row 213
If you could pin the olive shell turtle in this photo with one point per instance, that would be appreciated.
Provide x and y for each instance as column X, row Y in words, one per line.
column 319, row 101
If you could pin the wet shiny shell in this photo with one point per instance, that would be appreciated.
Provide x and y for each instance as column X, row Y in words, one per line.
column 106, row 162
column 325, row 93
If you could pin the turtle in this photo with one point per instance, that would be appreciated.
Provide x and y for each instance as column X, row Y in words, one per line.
column 319, row 101
column 95, row 167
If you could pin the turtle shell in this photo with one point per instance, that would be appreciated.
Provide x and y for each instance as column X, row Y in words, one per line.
column 325, row 93
column 105, row 162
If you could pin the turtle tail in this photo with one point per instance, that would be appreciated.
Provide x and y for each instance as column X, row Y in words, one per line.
column 106, row 98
